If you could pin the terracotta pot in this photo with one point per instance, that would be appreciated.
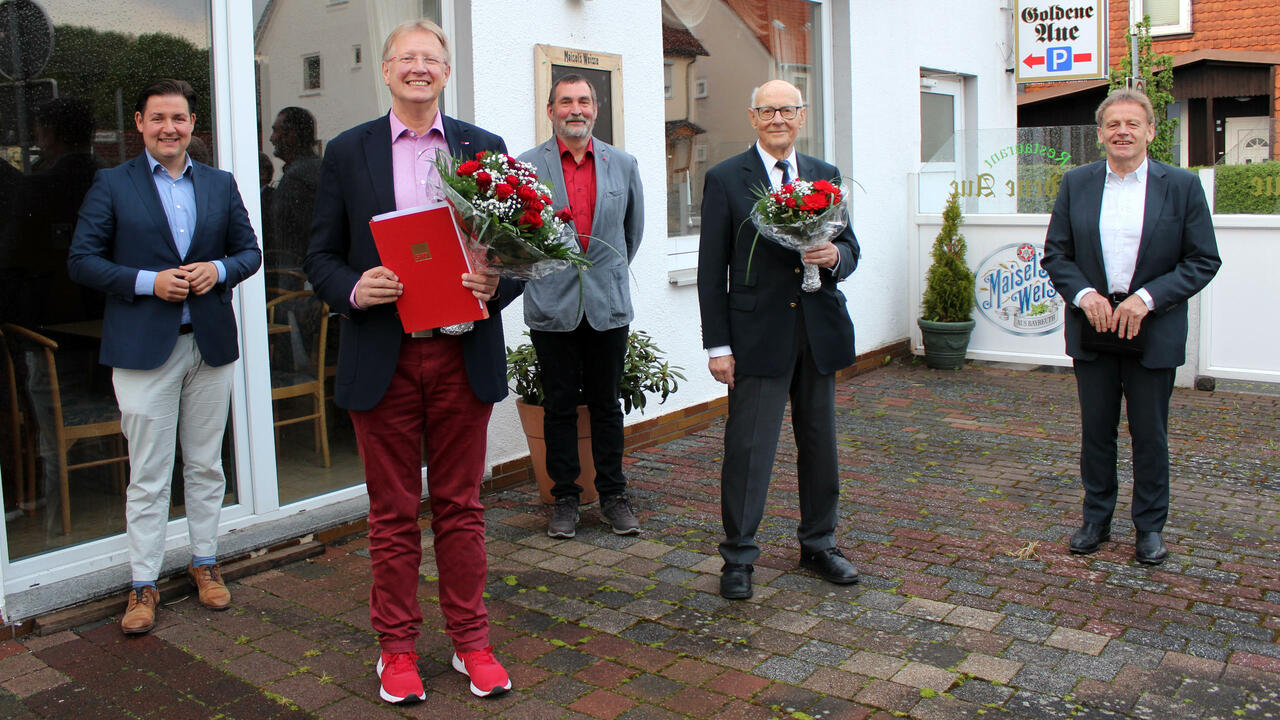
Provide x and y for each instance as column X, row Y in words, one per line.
column 531, row 421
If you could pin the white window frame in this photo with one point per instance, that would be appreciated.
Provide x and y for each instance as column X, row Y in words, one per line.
column 701, row 89
column 1138, row 9
column 668, row 78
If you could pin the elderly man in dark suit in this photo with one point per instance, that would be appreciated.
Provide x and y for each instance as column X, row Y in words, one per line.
column 167, row 239
column 767, row 340
column 579, row 319
column 403, row 388
column 1129, row 242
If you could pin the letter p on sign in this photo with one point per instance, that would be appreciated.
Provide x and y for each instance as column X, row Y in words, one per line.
column 1058, row 59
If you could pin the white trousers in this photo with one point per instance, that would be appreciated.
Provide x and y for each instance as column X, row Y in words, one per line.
column 182, row 400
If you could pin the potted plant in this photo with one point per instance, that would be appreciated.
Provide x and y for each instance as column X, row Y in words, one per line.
column 948, row 300
column 643, row 371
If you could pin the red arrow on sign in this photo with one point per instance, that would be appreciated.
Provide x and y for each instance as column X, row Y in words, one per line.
column 1034, row 60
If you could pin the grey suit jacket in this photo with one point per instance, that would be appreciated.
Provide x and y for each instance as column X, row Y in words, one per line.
column 558, row 302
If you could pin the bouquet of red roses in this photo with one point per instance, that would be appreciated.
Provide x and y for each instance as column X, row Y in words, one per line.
column 507, row 215
column 800, row 215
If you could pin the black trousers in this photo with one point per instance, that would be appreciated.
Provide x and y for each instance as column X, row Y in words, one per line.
column 1101, row 383
column 756, row 408
column 582, row 366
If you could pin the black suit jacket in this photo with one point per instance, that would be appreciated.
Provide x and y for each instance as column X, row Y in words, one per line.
column 123, row 229
column 1177, row 254
column 756, row 314
column 356, row 184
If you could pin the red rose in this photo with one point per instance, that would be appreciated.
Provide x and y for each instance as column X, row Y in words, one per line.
column 513, row 181
column 546, row 199
column 526, row 193
column 824, row 186
column 815, row 201
column 469, row 167
column 530, row 219
column 503, row 191
column 789, row 202
column 484, row 180
column 480, row 155
column 534, row 205
column 836, row 196
column 788, row 188
column 564, row 214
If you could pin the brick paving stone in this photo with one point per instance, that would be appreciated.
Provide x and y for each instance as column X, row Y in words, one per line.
column 889, row 696
column 695, row 702
column 920, row 675
column 1193, row 666
column 989, row 668
column 34, row 682
column 1076, row 664
column 945, row 708
column 974, row 618
column 927, row 609
column 1077, row 641
column 1048, row 681
column 873, row 665
column 982, row 692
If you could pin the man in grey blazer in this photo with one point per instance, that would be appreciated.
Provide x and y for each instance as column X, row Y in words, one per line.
column 579, row 320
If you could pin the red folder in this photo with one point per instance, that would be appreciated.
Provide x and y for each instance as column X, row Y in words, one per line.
column 425, row 248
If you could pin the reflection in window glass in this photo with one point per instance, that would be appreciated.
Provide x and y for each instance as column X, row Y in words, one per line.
column 315, row 447
column 718, row 51
column 64, row 460
column 937, row 127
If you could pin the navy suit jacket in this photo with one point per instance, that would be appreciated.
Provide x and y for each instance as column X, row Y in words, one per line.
column 356, row 184
column 1177, row 254
column 755, row 314
column 122, row 229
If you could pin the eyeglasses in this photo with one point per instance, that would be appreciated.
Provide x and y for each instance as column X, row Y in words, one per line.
column 788, row 112
column 413, row 60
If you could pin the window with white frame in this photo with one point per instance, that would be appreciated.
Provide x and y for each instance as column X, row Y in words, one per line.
column 667, row 69
column 1168, row 17
column 357, row 56
column 310, row 73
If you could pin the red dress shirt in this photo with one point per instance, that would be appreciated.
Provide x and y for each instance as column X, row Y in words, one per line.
column 580, row 188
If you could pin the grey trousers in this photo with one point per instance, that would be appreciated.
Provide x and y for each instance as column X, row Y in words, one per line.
column 756, row 408
column 183, row 399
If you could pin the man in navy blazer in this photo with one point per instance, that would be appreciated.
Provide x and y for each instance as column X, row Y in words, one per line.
column 769, row 341
column 1129, row 242
column 167, row 239
column 402, row 388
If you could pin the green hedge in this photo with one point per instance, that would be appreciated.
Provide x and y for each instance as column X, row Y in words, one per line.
column 1253, row 188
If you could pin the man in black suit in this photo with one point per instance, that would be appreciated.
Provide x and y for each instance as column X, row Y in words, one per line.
column 767, row 340
column 410, row 391
column 1129, row 242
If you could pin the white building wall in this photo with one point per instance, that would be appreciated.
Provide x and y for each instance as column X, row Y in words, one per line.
column 505, row 103
column 891, row 43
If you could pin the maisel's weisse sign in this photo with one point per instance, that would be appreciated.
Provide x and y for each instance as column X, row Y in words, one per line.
column 1015, row 294
column 1060, row 40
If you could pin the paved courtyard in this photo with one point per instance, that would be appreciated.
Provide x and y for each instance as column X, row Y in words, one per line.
column 959, row 491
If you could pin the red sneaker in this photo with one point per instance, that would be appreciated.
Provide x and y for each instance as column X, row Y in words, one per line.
column 401, row 682
column 488, row 677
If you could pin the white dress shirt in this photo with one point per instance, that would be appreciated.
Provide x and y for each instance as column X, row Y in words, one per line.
column 1123, row 209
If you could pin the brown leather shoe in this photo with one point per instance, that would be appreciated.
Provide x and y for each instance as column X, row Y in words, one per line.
column 208, row 580
column 140, row 613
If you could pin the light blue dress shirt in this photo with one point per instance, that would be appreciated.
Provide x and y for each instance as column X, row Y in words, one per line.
column 178, row 198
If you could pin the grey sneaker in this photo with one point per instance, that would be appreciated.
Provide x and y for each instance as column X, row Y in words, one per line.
column 564, row 518
column 617, row 511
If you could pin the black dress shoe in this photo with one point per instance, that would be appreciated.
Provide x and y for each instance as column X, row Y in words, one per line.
column 831, row 565
column 735, row 581
column 1149, row 548
column 1087, row 539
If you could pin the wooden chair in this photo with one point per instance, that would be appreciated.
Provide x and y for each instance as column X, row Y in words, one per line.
column 22, row 458
column 75, row 416
column 298, row 359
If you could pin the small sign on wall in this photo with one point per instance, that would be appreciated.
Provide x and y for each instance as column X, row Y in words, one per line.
column 602, row 70
column 1060, row 40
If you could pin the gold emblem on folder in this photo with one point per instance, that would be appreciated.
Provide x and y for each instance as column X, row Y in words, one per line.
column 421, row 252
